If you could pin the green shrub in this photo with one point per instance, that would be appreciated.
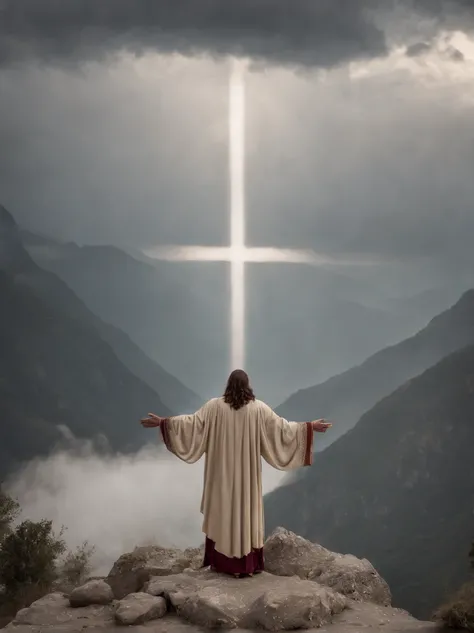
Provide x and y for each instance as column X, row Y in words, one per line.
column 34, row 561
column 458, row 612
column 28, row 556
column 76, row 566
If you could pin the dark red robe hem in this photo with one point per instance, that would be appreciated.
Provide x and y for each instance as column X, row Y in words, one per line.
column 252, row 563
column 165, row 433
column 308, row 458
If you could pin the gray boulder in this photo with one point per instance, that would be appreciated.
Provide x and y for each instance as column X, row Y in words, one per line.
column 93, row 592
column 303, row 605
column 133, row 570
column 171, row 586
column 268, row 602
column 52, row 613
column 138, row 608
column 287, row 554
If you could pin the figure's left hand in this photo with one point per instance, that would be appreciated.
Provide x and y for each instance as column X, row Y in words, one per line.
column 321, row 426
column 151, row 422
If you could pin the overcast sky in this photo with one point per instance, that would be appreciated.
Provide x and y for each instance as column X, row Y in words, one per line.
column 113, row 125
column 113, row 122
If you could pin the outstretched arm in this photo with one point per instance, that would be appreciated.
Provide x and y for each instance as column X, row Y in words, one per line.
column 285, row 445
column 288, row 445
column 152, row 421
column 184, row 435
column 321, row 426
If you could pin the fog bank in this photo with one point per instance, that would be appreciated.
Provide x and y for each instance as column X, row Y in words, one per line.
column 117, row 502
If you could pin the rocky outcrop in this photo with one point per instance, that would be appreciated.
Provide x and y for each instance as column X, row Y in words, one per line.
column 308, row 587
column 287, row 554
column 266, row 601
column 133, row 570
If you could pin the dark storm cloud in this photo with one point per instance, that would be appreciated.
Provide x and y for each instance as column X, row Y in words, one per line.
column 321, row 33
column 309, row 32
column 420, row 48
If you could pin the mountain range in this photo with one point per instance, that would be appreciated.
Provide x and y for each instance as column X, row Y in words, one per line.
column 63, row 368
column 399, row 487
column 393, row 479
column 345, row 397
column 162, row 306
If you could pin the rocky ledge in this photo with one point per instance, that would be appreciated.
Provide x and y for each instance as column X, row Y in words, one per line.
column 154, row 589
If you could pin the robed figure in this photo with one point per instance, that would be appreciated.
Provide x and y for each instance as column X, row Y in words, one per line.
column 234, row 432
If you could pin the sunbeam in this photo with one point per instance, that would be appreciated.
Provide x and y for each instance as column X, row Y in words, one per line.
column 237, row 254
column 237, row 212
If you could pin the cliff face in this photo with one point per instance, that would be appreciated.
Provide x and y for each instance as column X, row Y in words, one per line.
column 49, row 287
column 55, row 367
column 399, row 487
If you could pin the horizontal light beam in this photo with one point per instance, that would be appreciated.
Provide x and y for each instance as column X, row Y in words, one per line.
column 247, row 254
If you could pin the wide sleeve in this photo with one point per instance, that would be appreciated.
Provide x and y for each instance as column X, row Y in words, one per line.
column 285, row 445
column 186, row 435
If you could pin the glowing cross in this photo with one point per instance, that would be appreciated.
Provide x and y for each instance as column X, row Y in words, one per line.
column 237, row 253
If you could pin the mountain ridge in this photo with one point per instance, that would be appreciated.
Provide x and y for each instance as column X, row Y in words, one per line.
column 398, row 488
column 56, row 370
column 176, row 396
column 174, row 299
column 345, row 397
column 55, row 373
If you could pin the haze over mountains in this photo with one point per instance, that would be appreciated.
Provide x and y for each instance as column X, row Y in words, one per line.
column 61, row 366
column 345, row 397
column 161, row 306
column 399, row 487
column 396, row 485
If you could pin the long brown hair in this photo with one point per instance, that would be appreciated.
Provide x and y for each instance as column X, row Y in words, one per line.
column 238, row 391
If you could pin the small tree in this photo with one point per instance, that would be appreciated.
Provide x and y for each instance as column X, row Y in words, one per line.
column 28, row 556
column 76, row 566
column 9, row 511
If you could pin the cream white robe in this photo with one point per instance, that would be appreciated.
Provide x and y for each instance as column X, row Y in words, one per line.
column 233, row 443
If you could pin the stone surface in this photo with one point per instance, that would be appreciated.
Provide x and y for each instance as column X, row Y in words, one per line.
column 53, row 613
column 133, row 570
column 138, row 608
column 310, row 587
column 265, row 601
column 287, row 554
column 93, row 592
column 359, row 616
column 168, row 586
column 295, row 605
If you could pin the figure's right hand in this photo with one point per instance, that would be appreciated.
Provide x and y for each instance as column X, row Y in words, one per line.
column 321, row 426
column 151, row 422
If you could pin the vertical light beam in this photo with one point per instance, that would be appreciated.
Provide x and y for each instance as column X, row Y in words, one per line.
column 237, row 212
column 237, row 253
